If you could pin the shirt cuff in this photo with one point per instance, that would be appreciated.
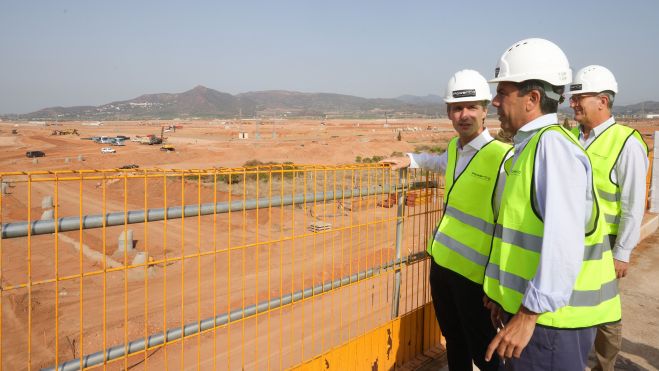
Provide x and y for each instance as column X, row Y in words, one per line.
column 622, row 254
column 413, row 164
column 539, row 302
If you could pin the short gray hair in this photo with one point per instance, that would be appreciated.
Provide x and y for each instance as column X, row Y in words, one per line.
column 610, row 95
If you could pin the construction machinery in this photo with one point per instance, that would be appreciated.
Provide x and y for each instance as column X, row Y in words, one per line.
column 65, row 132
column 150, row 139
column 32, row 154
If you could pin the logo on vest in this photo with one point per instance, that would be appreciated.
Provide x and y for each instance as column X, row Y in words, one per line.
column 480, row 176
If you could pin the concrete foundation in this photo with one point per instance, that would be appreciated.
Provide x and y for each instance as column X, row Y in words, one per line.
column 140, row 258
column 48, row 214
column 125, row 240
column 47, row 202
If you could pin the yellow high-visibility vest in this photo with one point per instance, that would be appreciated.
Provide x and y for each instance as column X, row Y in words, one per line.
column 463, row 236
column 604, row 152
column 517, row 245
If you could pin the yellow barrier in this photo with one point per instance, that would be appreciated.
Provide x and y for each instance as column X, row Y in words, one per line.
column 263, row 268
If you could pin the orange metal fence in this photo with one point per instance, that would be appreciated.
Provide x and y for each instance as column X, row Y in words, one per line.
column 249, row 268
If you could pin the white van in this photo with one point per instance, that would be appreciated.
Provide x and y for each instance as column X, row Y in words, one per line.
column 107, row 150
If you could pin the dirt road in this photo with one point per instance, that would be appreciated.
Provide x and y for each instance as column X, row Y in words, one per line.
column 640, row 309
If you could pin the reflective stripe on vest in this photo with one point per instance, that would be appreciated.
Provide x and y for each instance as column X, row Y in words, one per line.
column 463, row 236
column 517, row 245
column 603, row 152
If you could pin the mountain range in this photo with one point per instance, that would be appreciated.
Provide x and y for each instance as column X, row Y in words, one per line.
column 203, row 102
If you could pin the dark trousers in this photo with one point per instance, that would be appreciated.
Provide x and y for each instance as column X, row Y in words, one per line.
column 554, row 349
column 464, row 321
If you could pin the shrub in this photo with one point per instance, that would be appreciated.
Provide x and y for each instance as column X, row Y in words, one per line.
column 432, row 149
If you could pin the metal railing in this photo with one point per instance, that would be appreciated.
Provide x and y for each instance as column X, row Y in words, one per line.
column 256, row 247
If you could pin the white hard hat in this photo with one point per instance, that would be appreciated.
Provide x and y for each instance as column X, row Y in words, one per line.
column 467, row 86
column 593, row 79
column 533, row 59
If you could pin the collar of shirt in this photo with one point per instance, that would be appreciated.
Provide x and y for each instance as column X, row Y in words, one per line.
column 526, row 132
column 477, row 143
column 597, row 130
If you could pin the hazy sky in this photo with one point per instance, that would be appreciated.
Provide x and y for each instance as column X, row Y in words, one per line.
column 66, row 53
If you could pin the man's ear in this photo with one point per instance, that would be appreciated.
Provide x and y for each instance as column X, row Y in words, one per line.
column 604, row 100
column 532, row 100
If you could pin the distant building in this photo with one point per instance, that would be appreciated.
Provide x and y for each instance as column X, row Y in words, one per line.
column 652, row 116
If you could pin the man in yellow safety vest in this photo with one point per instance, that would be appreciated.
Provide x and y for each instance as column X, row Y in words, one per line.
column 619, row 158
column 474, row 173
column 550, row 279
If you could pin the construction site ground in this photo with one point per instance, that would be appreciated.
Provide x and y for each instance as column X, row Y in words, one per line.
column 208, row 144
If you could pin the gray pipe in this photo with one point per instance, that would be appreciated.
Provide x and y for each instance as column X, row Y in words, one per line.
column 223, row 319
column 72, row 223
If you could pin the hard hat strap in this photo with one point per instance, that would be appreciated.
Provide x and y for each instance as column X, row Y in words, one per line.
column 550, row 93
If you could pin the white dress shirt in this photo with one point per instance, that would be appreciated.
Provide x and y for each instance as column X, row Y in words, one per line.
column 438, row 163
column 563, row 198
column 629, row 173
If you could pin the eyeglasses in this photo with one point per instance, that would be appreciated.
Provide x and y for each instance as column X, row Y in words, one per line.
column 577, row 98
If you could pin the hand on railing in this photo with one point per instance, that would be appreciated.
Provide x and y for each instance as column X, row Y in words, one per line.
column 397, row 162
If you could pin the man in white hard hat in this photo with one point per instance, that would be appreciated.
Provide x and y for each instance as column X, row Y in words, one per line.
column 619, row 158
column 549, row 283
column 474, row 172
